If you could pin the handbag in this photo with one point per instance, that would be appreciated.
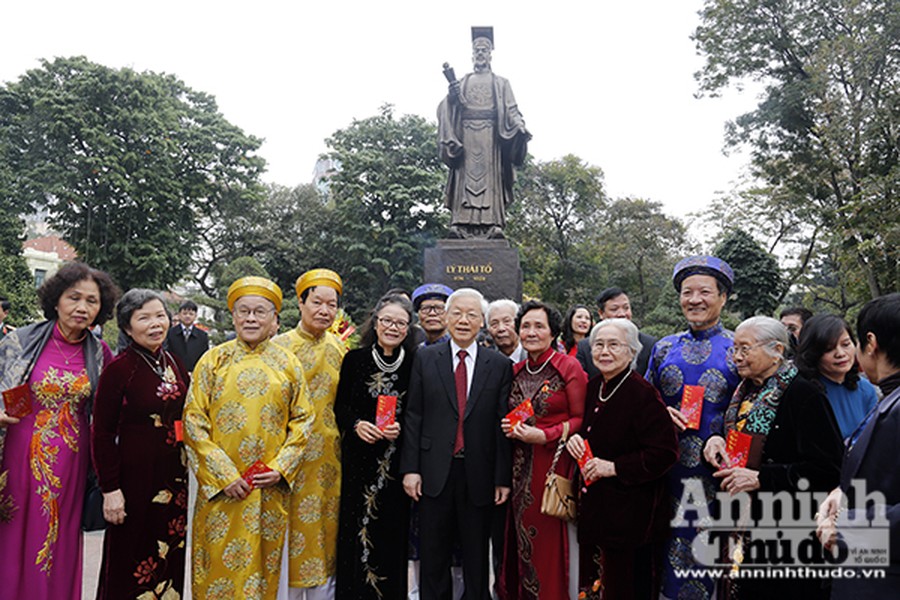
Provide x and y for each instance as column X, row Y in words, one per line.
column 92, row 511
column 559, row 495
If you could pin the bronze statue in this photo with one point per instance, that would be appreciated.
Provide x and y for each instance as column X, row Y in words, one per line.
column 481, row 135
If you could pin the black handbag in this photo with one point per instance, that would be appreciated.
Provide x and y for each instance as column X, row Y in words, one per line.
column 92, row 511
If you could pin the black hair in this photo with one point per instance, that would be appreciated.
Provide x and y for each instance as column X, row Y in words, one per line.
column 305, row 294
column 368, row 337
column 133, row 300
column 881, row 318
column 819, row 335
column 554, row 319
column 5, row 304
column 804, row 313
column 608, row 294
column 52, row 290
column 568, row 334
column 188, row 305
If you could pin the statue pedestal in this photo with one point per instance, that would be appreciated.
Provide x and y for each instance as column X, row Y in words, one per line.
column 489, row 266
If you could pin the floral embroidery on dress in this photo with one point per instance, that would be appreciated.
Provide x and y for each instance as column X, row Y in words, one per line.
column 379, row 384
column 61, row 395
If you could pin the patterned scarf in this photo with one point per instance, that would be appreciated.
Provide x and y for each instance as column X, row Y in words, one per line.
column 752, row 409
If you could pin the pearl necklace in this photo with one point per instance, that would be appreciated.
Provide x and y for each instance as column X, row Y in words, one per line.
column 539, row 369
column 616, row 389
column 385, row 366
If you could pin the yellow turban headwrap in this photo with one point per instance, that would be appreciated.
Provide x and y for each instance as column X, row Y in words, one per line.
column 316, row 277
column 254, row 286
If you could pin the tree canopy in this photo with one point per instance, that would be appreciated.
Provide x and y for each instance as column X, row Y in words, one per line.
column 130, row 165
column 824, row 137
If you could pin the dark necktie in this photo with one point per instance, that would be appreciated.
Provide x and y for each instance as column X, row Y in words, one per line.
column 187, row 333
column 461, row 376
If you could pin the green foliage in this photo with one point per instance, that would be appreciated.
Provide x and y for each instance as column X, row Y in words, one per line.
column 574, row 241
column 287, row 232
column 757, row 277
column 824, row 137
column 133, row 166
column 16, row 283
column 666, row 317
column 639, row 246
column 387, row 198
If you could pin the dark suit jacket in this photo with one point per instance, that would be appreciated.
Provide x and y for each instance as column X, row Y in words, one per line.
column 190, row 351
column 431, row 417
column 874, row 459
column 583, row 354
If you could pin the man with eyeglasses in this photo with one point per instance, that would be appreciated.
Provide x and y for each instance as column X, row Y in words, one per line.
column 428, row 302
column 613, row 303
column 694, row 364
column 455, row 459
column 314, row 506
column 246, row 424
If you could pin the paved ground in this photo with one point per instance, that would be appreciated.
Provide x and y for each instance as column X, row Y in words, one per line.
column 93, row 549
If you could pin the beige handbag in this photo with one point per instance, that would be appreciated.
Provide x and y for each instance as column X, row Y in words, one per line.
column 559, row 495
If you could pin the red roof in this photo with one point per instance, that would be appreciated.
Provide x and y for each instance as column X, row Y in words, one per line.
column 52, row 243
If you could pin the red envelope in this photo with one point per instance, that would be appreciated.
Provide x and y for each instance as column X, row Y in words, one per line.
column 520, row 413
column 255, row 469
column 179, row 431
column 386, row 411
column 586, row 456
column 737, row 445
column 17, row 401
column 692, row 405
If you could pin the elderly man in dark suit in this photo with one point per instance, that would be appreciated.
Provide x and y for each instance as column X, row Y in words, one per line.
column 455, row 459
column 613, row 303
column 188, row 342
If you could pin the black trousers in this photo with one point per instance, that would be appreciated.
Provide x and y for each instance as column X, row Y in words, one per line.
column 452, row 516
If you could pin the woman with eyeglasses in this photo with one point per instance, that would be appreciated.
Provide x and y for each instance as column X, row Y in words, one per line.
column 536, row 550
column 784, row 438
column 623, row 507
column 374, row 514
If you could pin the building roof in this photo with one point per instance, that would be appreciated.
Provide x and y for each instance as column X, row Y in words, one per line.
column 52, row 244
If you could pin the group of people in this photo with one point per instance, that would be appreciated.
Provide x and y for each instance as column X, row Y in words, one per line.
column 320, row 473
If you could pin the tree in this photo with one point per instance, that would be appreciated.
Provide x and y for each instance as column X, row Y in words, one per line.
column 131, row 165
column 553, row 222
column 16, row 283
column 757, row 278
column 387, row 205
column 639, row 245
column 824, row 135
column 287, row 233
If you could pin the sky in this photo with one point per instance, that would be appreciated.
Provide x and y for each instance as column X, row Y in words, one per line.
column 611, row 82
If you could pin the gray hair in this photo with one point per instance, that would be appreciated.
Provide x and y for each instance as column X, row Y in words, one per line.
column 502, row 303
column 471, row 293
column 632, row 338
column 131, row 301
column 767, row 330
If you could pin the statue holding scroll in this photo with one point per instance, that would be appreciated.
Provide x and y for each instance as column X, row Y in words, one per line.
column 481, row 135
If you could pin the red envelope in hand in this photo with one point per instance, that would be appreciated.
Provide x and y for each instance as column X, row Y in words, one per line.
column 737, row 445
column 179, row 431
column 692, row 405
column 386, row 411
column 255, row 469
column 585, row 457
column 520, row 413
column 17, row 401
